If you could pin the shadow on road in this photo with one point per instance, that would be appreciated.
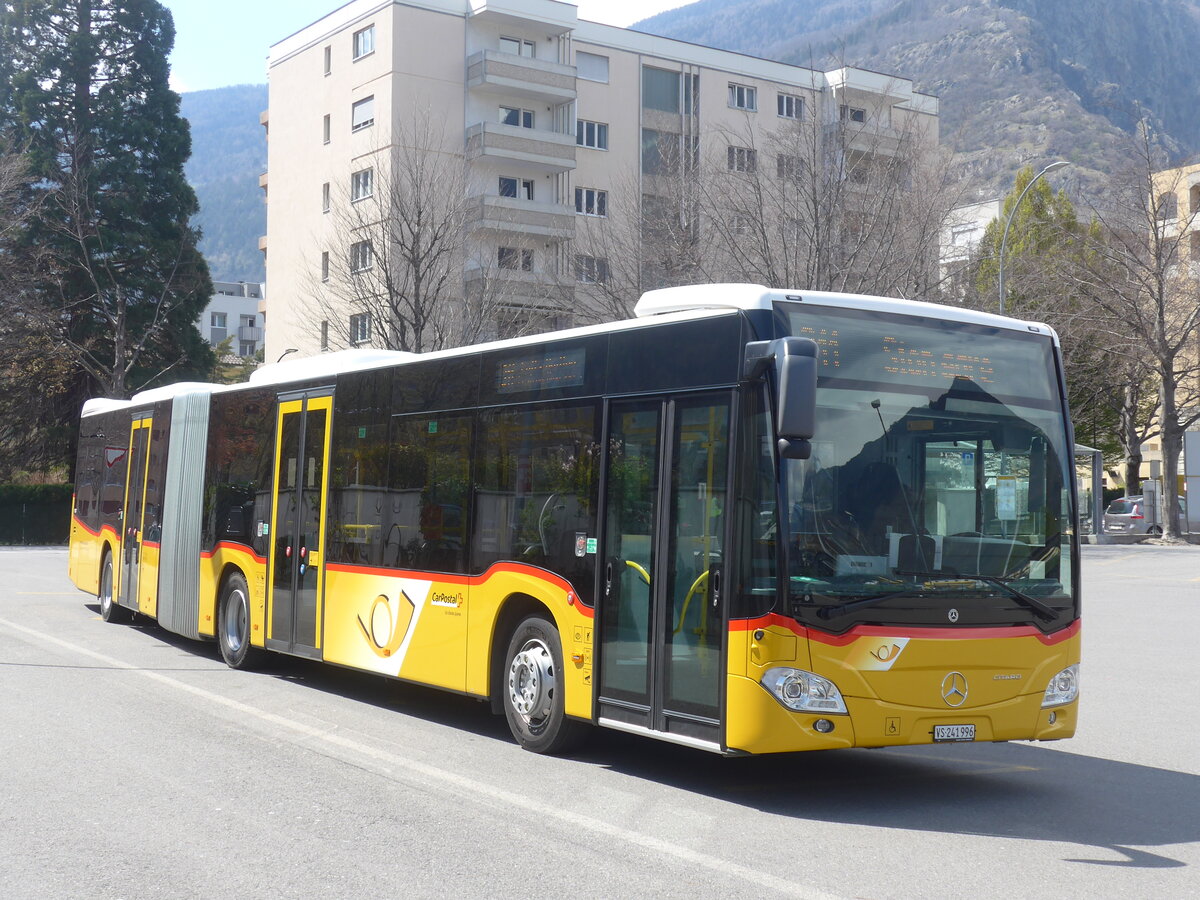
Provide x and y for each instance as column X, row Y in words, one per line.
column 1016, row 790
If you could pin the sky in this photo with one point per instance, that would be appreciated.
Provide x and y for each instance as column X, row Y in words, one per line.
column 223, row 42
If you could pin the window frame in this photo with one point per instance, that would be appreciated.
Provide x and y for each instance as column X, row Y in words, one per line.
column 592, row 269
column 743, row 96
column 355, row 106
column 357, row 51
column 784, row 100
column 599, row 134
column 523, row 44
column 360, row 328
column 598, row 204
column 522, row 188
column 523, row 115
column 357, row 181
column 742, row 159
column 326, row 203
column 362, row 257
column 855, row 114
column 521, row 259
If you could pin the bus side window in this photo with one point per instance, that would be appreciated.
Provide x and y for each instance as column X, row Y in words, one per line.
column 429, row 493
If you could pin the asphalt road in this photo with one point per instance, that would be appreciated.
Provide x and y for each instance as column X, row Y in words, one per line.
column 135, row 764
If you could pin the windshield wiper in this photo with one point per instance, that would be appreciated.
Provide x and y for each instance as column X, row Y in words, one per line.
column 1049, row 613
column 842, row 609
column 1046, row 612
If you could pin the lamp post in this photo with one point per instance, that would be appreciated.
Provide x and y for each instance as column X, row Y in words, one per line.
column 286, row 352
column 1012, row 212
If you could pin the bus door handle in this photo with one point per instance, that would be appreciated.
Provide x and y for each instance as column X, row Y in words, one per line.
column 608, row 578
column 715, row 581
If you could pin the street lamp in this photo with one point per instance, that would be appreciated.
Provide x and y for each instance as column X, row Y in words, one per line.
column 286, row 352
column 1013, row 212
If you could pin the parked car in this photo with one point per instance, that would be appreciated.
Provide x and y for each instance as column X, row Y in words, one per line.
column 1126, row 515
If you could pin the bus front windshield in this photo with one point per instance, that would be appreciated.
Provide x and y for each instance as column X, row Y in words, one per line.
column 938, row 488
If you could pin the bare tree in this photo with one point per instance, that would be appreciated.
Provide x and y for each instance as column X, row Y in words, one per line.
column 405, row 268
column 1139, row 273
column 842, row 205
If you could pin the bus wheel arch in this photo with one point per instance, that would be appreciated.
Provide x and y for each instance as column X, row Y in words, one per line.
column 110, row 610
column 233, row 621
column 531, row 684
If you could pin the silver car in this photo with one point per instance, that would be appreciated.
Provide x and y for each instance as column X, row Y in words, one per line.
column 1126, row 515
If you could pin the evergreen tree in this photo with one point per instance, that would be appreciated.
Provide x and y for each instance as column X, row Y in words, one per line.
column 120, row 282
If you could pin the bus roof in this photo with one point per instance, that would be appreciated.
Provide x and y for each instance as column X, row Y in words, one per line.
column 665, row 304
column 756, row 296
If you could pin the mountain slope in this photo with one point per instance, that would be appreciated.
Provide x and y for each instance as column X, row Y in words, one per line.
column 229, row 152
column 1020, row 80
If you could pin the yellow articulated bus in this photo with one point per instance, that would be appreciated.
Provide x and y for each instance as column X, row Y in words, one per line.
column 747, row 521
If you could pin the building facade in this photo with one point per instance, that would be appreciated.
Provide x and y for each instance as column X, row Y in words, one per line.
column 546, row 137
column 233, row 314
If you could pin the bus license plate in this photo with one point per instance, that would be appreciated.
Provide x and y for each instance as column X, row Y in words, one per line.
column 954, row 732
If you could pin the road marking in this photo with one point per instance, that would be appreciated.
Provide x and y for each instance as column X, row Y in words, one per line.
column 1116, row 559
column 469, row 786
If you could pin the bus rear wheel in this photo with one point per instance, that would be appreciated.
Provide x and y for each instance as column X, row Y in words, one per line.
column 532, row 691
column 110, row 610
column 233, row 624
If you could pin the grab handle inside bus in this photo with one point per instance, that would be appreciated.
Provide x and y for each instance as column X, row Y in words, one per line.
column 794, row 363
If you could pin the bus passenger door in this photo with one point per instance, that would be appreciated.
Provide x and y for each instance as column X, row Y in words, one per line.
column 297, row 528
column 134, row 512
column 662, row 611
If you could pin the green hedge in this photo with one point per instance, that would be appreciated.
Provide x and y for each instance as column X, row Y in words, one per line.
column 35, row 513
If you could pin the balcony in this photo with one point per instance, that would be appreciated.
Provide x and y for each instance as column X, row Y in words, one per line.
column 492, row 71
column 550, row 150
column 869, row 138
column 250, row 333
column 513, row 288
column 507, row 215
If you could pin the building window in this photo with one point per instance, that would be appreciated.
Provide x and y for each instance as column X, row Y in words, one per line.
column 325, row 197
column 325, row 265
column 591, row 270
column 518, row 47
column 789, row 166
column 742, row 96
column 360, row 328
column 591, row 67
column 325, row 128
column 591, row 134
column 743, row 159
column 789, row 106
column 660, row 89
column 853, row 114
column 518, row 188
column 512, row 258
column 328, row 60
column 325, row 334
column 591, row 202
column 364, row 42
column 362, row 184
column 740, row 225
column 217, row 320
column 362, row 113
column 361, row 257
column 511, row 115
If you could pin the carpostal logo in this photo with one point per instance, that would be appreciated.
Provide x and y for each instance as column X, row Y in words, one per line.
column 450, row 601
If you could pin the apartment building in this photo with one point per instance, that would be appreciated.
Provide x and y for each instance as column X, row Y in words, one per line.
column 546, row 134
column 233, row 312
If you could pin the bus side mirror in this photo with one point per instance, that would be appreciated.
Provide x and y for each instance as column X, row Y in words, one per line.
column 794, row 362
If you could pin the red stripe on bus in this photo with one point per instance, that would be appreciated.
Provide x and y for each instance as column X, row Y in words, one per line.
column 472, row 580
column 238, row 548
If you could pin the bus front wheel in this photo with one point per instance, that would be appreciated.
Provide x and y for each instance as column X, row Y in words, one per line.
column 533, row 689
column 233, row 624
column 110, row 610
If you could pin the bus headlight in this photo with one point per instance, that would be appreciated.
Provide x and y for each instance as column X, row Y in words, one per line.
column 804, row 692
column 1063, row 687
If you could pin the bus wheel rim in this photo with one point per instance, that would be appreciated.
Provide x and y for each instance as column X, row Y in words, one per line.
column 531, row 682
column 235, row 620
